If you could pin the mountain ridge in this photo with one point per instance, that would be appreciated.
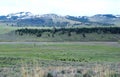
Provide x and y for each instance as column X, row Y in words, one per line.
column 29, row 19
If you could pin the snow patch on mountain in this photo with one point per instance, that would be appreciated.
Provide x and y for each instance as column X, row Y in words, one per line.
column 19, row 15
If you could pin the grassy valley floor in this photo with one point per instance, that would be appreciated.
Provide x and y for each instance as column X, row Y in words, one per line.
column 59, row 55
column 59, row 59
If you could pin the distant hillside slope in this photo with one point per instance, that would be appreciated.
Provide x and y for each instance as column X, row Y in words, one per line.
column 29, row 19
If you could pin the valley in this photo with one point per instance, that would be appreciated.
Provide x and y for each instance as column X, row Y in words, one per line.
column 59, row 46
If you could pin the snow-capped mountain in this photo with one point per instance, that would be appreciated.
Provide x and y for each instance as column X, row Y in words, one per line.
column 29, row 19
column 20, row 15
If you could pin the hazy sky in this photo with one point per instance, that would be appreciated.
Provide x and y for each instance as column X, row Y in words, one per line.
column 61, row 7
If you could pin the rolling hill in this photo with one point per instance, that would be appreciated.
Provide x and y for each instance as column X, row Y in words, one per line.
column 22, row 19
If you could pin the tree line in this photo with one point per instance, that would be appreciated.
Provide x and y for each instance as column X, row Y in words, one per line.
column 98, row 30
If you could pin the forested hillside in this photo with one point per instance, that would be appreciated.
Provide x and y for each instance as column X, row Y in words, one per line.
column 72, row 34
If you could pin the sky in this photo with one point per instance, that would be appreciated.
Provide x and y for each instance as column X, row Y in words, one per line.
column 61, row 7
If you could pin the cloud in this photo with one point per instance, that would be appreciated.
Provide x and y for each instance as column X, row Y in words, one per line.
column 62, row 7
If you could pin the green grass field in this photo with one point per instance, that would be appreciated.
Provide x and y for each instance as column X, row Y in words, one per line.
column 64, row 59
column 59, row 59
column 75, row 52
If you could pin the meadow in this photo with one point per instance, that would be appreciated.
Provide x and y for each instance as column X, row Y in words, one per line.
column 60, row 59
column 75, row 52
column 61, row 55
